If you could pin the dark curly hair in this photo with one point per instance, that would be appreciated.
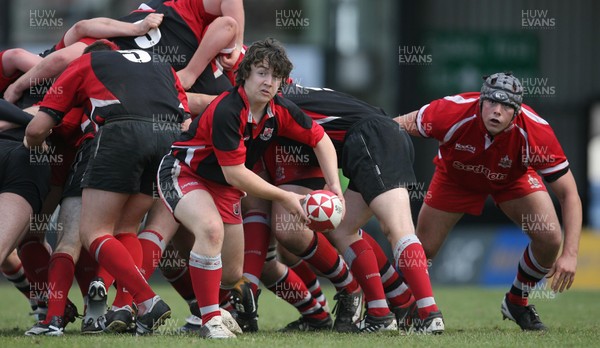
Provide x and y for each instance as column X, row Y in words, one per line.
column 101, row 45
column 270, row 50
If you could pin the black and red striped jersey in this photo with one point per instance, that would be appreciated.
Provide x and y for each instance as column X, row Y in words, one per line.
column 335, row 111
column 176, row 39
column 226, row 133
column 118, row 84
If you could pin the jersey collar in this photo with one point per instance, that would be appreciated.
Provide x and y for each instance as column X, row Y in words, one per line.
column 270, row 105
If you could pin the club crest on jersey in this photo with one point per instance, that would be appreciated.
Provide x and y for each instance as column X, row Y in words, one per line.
column 266, row 134
column 505, row 162
column 461, row 147
column 534, row 182
column 236, row 209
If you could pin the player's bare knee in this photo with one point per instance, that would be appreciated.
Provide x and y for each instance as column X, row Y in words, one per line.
column 228, row 23
column 549, row 239
column 212, row 234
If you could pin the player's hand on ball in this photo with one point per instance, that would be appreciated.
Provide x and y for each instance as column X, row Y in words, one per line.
column 324, row 209
column 292, row 203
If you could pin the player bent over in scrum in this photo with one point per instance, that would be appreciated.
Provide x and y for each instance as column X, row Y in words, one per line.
column 114, row 185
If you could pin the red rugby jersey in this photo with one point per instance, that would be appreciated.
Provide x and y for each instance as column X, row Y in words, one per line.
column 474, row 159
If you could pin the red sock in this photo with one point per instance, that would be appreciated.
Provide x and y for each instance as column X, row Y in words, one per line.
column 115, row 258
column 106, row 277
column 153, row 246
column 18, row 278
column 131, row 242
column 181, row 281
column 85, row 270
column 396, row 291
column 363, row 264
column 35, row 258
column 257, row 234
column 61, row 271
column 411, row 261
column 303, row 270
column 206, row 274
column 324, row 257
column 291, row 289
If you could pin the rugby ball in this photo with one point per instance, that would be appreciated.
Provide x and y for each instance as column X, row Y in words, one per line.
column 324, row 209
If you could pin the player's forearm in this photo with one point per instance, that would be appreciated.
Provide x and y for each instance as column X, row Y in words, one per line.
column 325, row 152
column 104, row 28
column 572, row 221
column 18, row 60
column 247, row 181
column 197, row 102
column 409, row 123
column 49, row 67
column 565, row 190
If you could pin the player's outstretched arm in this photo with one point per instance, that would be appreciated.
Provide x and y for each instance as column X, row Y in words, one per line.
column 18, row 60
column 325, row 152
column 563, row 270
column 51, row 66
column 198, row 102
column 247, row 181
column 409, row 123
column 219, row 35
column 104, row 28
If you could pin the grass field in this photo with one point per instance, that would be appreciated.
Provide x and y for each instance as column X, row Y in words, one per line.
column 472, row 318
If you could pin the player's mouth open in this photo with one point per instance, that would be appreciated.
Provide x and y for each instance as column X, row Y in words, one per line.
column 494, row 121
